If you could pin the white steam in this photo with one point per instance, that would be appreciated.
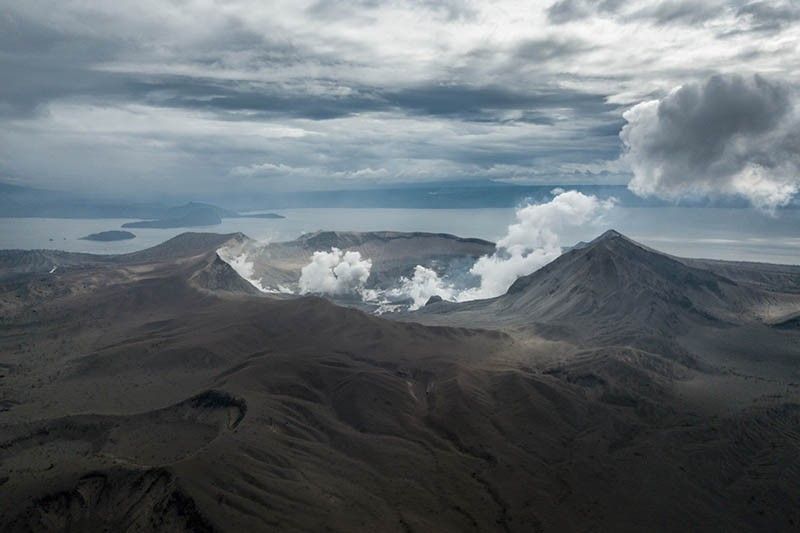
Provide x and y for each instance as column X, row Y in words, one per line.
column 239, row 260
column 530, row 243
column 422, row 285
column 533, row 241
column 335, row 272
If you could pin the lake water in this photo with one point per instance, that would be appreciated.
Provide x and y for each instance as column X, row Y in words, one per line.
column 717, row 233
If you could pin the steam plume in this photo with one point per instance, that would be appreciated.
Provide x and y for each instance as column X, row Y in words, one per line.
column 423, row 284
column 335, row 272
column 533, row 241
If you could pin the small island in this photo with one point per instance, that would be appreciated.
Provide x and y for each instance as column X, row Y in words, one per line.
column 107, row 236
column 262, row 215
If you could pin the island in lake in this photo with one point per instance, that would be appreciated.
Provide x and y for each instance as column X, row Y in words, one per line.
column 107, row 236
column 261, row 215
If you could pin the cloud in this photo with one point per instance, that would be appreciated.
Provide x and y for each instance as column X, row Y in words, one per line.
column 769, row 16
column 731, row 16
column 730, row 135
column 533, row 241
column 690, row 12
column 336, row 273
column 570, row 10
column 400, row 91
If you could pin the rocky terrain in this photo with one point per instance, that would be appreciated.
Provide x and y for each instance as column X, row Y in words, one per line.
column 616, row 389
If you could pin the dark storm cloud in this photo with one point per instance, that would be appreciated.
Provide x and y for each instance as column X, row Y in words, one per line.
column 729, row 135
column 470, row 102
column 481, row 104
column 39, row 63
column 42, row 64
column 269, row 100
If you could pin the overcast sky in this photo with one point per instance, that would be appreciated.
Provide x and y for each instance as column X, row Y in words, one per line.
column 208, row 95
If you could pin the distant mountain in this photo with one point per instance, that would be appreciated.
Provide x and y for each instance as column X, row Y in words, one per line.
column 190, row 208
column 188, row 217
column 20, row 201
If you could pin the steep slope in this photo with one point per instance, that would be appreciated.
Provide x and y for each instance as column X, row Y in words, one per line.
column 614, row 280
column 217, row 275
column 613, row 289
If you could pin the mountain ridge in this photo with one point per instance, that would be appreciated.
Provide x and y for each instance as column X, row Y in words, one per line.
column 613, row 289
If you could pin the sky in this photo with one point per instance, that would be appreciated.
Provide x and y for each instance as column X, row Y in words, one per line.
column 675, row 98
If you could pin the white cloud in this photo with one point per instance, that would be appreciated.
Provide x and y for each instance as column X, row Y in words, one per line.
column 336, row 273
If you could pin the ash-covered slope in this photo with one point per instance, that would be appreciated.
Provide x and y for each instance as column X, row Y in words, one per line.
column 615, row 289
column 25, row 262
column 15, row 263
column 28, row 277
column 184, row 245
column 217, row 275
column 771, row 277
column 616, row 279
column 137, row 395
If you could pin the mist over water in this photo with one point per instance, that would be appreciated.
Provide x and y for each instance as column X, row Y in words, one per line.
column 716, row 233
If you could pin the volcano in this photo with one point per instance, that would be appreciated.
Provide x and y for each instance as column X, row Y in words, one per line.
column 617, row 388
